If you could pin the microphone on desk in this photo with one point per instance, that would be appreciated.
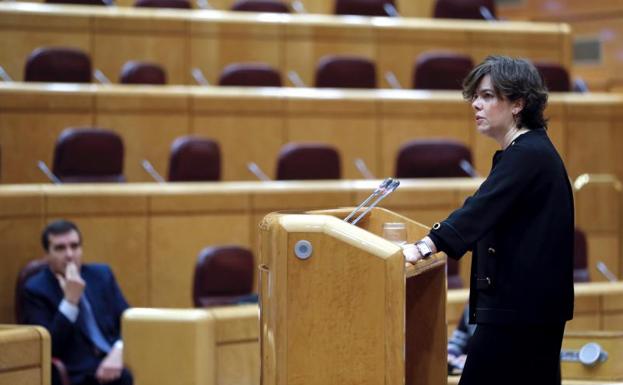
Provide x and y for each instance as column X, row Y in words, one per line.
column 376, row 192
column 147, row 166
column 257, row 171
column 46, row 170
column 390, row 189
column 363, row 168
column 486, row 13
column 603, row 269
column 468, row 168
column 388, row 186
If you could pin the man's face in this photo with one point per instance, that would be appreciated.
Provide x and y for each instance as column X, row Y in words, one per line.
column 64, row 249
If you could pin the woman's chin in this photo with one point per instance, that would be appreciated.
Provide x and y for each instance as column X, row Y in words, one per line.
column 482, row 129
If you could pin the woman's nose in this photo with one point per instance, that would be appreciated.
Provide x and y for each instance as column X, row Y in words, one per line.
column 476, row 105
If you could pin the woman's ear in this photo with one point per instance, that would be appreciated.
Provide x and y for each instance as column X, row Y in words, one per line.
column 518, row 105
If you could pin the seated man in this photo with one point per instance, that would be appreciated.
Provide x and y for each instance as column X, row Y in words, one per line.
column 81, row 307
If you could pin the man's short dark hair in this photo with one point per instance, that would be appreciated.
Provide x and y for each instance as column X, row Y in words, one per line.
column 513, row 79
column 58, row 227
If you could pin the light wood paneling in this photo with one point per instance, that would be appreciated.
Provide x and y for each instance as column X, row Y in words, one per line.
column 307, row 43
column 142, row 34
column 217, row 42
column 181, row 39
column 406, row 8
column 151, row 234
column 398, row 48
column 177, row 240
column 599, row 21
column 21, row 35
column 238, row 363
column 147, row 125
column 28, row 137
column 350, row 127
column 591, row 311
column 403, row 121
column 25, row 355
column 252, row 124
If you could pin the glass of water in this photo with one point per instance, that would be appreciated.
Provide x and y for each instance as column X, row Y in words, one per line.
column 395, row 232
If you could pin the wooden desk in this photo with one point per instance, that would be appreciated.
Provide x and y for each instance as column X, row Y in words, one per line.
column 598, row 306
column 25, row 357
column 151, row 234
column 182, row 39
column 406, row 8
column 194, row 347
column 252, row 124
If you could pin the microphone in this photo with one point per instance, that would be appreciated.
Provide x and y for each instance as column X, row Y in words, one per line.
column 468, row 168
column 295, row 78
column 44, row 169
column 363, row 169
column 376, row 192
column 390, row 189
column 486, row 13
column 152, row 171
column 390, row 10
column 199, row 77
column 392, row 80
column 100, row 77
column 4, row 75
column 257, row 171
column 298, row 6
column 603, row 269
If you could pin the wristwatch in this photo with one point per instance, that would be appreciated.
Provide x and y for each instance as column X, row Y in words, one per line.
column 424, row 249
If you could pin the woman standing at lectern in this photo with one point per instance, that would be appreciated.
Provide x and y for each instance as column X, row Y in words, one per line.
column 519, row 226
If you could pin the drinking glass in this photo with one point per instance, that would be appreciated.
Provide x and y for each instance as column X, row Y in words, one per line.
column 395, row 232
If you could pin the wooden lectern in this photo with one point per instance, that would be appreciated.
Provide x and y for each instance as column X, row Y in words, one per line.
column 338, row 305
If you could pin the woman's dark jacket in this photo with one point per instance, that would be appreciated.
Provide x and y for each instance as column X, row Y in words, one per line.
column 519, row 225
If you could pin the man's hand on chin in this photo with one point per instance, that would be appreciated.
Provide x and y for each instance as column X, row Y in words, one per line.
column 111, row 366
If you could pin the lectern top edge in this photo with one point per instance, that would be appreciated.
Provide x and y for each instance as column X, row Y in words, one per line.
column 345, row 232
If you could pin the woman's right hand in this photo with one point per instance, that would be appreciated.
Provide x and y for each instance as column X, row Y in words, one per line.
column 411, row 253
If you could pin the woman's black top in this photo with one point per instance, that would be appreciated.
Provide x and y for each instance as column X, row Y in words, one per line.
column 519, row 225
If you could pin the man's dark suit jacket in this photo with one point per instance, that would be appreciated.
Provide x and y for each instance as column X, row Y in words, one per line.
column 519, row 225
column 70, row 341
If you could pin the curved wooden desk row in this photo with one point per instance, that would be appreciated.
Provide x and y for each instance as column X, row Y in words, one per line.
column 151, row 234
column 420, row 8
column 252, row 124
column 225, row 341
column 181, row 39
column 24, row 355
column 598, row 306
column 192, row 346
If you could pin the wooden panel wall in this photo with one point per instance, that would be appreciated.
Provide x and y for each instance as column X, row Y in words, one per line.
column 181, row 40
column 600, row 21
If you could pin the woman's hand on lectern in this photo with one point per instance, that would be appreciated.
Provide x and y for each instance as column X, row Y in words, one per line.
column 411, row 253
column 421, row 249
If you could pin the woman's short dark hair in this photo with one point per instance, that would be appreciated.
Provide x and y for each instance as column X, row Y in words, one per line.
column 513, row 79
column 57, row 228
